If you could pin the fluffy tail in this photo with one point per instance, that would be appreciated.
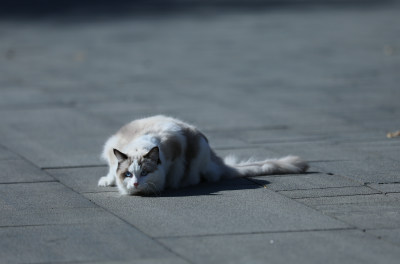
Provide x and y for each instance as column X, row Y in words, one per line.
column 286, row 165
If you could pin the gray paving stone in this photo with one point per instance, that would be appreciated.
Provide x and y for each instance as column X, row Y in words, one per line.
column 68, row 82
column 356, row 199
column 82, row 179
column 312, row 151
column 386, row 187
column 390, row 235
column 6, row 154
column 277, row 136
column 214, row 209
column 348, row 246
column 363, row 211
column 55, row 216
column 365, row 171
column 40, row 195
column 245, row 154
column 76, row 243
column 224, row 139
column 54, row 137
column 304, row 181
column 329, row 192
column 198, row 111
column 167, row 260
column 17, row 170
column 383, row 149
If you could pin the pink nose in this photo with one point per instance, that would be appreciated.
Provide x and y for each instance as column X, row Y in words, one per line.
column 136, row 184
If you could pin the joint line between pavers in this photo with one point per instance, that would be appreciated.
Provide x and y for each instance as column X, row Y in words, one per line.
column 323, row 188
column 237, row 147
column 99, row 192
column 74, row 167
column 28, row 182
column 260, row 232
column 39, row 225
column 324, row 196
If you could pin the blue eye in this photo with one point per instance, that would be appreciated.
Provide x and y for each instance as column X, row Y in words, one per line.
column 143, row 173
column 128, row 174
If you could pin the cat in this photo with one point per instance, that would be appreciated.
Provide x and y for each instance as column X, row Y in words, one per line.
column 151, row 154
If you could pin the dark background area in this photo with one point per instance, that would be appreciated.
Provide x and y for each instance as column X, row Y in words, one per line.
column 39, row 8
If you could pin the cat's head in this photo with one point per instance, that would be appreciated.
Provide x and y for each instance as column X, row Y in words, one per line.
column 139, row 173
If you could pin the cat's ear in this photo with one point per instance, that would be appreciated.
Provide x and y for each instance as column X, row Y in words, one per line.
column 153, row 154
column 120, row 156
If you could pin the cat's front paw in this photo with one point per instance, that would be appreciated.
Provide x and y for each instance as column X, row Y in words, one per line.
column 106, row 181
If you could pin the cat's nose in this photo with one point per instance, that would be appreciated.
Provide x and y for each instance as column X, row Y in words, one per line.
column 136, row 184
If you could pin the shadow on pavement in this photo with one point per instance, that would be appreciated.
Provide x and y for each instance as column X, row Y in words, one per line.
column 214, row 188
column 25, row 9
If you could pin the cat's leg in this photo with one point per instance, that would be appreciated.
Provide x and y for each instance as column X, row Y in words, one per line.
column 108, row 155
column 109, row 179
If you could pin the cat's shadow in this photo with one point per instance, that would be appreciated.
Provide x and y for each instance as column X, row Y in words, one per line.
column 216, row 188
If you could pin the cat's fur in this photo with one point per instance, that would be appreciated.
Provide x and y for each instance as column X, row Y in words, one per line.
column 162, row 152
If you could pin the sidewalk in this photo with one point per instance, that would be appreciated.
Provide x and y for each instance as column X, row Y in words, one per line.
column 321, row 83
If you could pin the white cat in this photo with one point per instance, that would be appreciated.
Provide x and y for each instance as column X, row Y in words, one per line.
column 151, row 154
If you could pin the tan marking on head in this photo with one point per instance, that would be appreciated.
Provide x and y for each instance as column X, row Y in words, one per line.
column 122, row 168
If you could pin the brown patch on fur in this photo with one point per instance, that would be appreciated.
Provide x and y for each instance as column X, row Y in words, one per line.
column 193, row 138
column 149, row 165
column 154, row 155
column 172, row 148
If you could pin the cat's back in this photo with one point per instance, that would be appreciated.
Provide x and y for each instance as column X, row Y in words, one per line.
column 151, row 125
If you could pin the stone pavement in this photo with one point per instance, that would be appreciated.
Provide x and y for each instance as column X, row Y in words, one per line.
column 319, row 82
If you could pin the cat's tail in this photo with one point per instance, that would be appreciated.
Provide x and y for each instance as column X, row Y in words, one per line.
column 285, row 165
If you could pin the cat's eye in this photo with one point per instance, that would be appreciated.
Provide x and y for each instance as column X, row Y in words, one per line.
column 128, row 174
column 143, row 173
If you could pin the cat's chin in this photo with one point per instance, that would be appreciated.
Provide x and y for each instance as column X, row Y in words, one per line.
column 132, row 191
column 137, row 191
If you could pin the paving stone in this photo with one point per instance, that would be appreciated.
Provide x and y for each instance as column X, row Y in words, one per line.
column 316, row 151
column 363, row 211
column 329, row 192
column 384, row 171
column 386, row 187
column 224, row 139
column 76, row 243
column 390, row 235
column 17, row 170
column 68, row 82
column 385, row 149
column 356, row 199
column 225, row 209
column 167, row 260
column 55, row 216
column 248, row 153
column 6, row 154
column 54, row 137
column 307, row 181
column 40, row 195
column 393, row 195
column 339, row 246
column 82, row 179
column 276, row 136
column 49, row 153
column 195, row 110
